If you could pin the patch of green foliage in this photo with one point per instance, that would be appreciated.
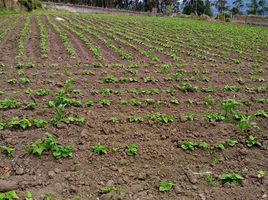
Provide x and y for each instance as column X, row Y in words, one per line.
column 231, row 178
column 165, row 186
column 99, row 149
column 49, row 143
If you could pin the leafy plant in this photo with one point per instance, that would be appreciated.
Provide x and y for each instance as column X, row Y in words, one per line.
column 164, row 118
column 208, row 100
column 99, row 149
column 73, row 120
column 252, row 141
column 134, row 118
column 165, row 186
column 105, row 102
column 261, row 113
column 49, row 143
column 229, row 106
column 8, row 151
column 215, row 117
column 42, row 92
column 113, row 120
column 31, row 106
column 89, row 103
column 9, row 104
column 245, row 123
column 28, row 196
column 231, row 143
column 132, row 150
column 190, row 145
column 12, row 81
column 108, row 189
column 211, row 181
column 261, row 174
column 231, row 178
column 219, row 146
column 8, row 195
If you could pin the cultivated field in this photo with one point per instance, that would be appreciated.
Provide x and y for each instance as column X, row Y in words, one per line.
column 132, row 108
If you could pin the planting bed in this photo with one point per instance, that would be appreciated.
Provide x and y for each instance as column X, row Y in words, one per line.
column 118, row 107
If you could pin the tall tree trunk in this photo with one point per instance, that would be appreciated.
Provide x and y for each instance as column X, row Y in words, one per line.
column 4, row 3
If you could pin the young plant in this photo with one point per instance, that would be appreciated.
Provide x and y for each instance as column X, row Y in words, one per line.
column 261, row 174
column 231, row 178
column 8, row 151
column 231, row 143
column 208, row 100
column 42, row 92
column 134, row 118
column 166, row 186
column 49, row 143
column 245, row 123
column 163, row 118
column 9, row 104
column 253, row 141
column 89, row 103
column 105, row 102
column 108, row 189
column 132, row 150
column 8, row 195
column 99, row 149
column 31, row 106
column 229, row 106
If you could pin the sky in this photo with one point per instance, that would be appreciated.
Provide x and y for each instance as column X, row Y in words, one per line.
column 230, row 3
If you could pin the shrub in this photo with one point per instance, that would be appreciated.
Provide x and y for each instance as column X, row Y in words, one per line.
column 30, row 4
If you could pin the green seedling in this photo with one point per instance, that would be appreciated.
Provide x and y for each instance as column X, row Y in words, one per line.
column 49, row 143
column 8, row 195
column 135, row 102
column 219, row 146
column 42, row 92
column 31, row 106
column 208, row 100
column 231, row 178
column 190, row 145
column 105, row 102
column 245, row 123
column 132, row 150
column 261, row 113
column 134, row 118
column 166, row 186
column 113, row 120
column 12, row 81
column 28, row 196
column 163, row 118
column 261, row 174
column 108, row 189
column 231, row 143
column 253, row 141
column 99, row 149
column 89, row 103
column 229, row 106
column 9, row 104
column 215, row 117
column 74, row 120
column 211, row 181
column 8, row 151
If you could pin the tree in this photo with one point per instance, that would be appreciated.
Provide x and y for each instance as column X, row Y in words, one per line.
column 4, row 3
column 221, row 5
column 176, row 6
column 193, row 6
column 261, row 8
column 253, row 7
column 207, row 10
column 237, row 5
